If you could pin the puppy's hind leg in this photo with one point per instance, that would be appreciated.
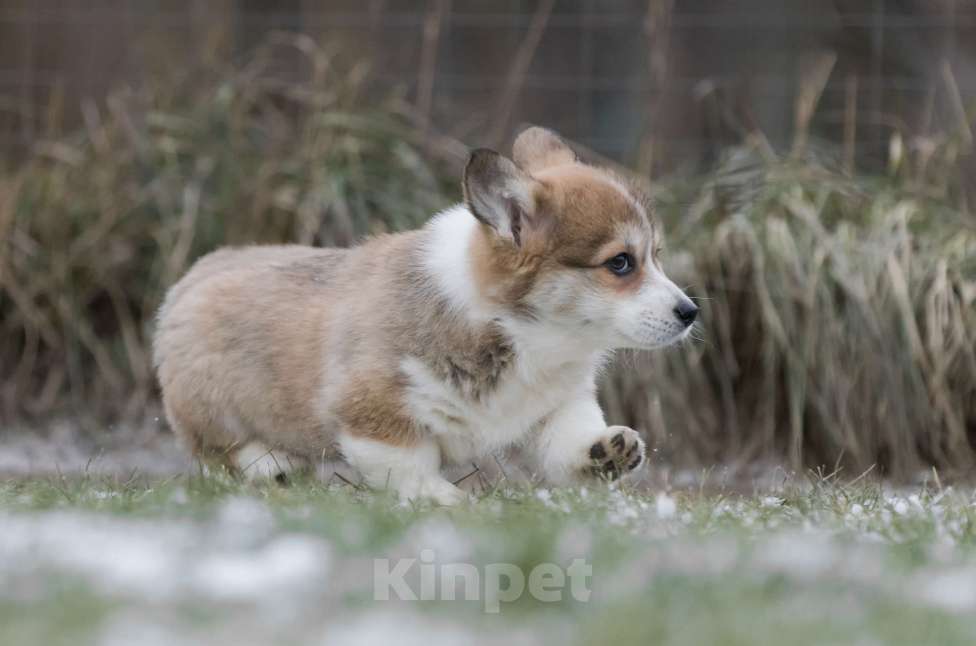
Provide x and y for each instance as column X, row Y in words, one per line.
column 210, row 444
column 222, row 444
column 255, row 461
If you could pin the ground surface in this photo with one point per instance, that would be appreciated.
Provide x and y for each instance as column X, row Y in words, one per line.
column 191, row 559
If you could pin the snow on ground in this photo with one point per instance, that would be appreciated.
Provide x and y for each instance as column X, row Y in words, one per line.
column 236, row 557
column 88, row 550
column 61, row 448
column 248, row 568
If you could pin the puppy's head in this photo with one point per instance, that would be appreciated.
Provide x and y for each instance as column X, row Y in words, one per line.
column 571, row 246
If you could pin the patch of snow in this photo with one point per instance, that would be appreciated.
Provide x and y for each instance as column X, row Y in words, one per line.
column 803, row 555
column 574, row 542
column 288, row 564
column 665, row 506
column 62, row 448
column 410, row 629
column 442, row 537
column 953, row 591
column 160, row 559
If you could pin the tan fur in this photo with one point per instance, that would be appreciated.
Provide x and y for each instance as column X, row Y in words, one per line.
column 580, row 211
column 248, row 335
column 537, row 148
column 291, row 345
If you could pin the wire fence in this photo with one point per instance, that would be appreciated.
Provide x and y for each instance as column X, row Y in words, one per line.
column 655, row 83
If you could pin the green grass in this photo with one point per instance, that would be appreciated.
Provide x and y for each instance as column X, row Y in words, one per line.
column 815, row 562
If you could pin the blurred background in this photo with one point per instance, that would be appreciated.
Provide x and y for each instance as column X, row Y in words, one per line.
column 811, row 161
column 661, row 85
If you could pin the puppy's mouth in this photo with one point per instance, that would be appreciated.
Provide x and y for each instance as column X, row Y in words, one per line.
column 654, row 334
column 683, row 335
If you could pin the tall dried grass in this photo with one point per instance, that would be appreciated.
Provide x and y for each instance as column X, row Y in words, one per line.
column 839, row 313
column 839, row 323
column 94, row 227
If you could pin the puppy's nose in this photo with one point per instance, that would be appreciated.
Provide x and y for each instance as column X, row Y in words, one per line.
column 686, row 311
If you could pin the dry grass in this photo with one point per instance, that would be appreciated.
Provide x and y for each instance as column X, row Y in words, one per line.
column 94, row 227
column 839, row 320
column 839, row 326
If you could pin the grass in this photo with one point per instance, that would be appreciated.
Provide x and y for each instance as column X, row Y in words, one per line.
column 101, row 561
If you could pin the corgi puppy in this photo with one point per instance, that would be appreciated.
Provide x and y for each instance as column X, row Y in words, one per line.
column 484, row 329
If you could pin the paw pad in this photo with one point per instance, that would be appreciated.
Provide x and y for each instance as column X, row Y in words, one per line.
column 617, row 454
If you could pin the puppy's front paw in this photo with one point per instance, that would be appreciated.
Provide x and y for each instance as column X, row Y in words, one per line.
column 619, row 452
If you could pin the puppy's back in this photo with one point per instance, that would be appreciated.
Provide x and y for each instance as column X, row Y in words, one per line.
column 241, row 259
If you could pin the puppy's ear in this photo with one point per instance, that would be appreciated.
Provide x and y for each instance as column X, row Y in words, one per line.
column 501, row 195
column 537, row 148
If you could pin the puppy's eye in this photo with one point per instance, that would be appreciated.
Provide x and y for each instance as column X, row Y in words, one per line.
column 621, row 264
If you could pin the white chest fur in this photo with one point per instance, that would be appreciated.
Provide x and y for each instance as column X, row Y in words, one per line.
column 467, row 429
column 551, row 367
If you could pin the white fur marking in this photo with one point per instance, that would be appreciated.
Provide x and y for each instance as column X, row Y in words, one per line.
column 467, row 429
column 447, row 259
column 563, row 444
column 257, row 461
column 412, row 472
